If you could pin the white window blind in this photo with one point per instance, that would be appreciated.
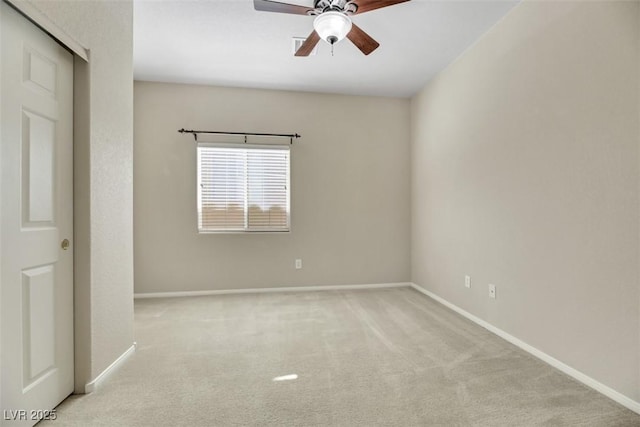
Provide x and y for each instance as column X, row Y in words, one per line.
column 244, row 188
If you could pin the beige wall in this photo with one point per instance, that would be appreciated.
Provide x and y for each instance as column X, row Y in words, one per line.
column 525, row 174
column 103, row 158
column 350, row 190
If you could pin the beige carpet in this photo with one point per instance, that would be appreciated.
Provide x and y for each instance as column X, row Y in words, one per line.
column 362, row 358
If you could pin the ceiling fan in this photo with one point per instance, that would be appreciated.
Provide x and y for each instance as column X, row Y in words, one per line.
column 333, row 21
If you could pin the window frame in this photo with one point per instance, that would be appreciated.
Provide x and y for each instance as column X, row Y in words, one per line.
column 246, row 229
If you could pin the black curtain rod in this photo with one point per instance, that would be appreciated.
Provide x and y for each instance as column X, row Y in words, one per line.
column 245, row 134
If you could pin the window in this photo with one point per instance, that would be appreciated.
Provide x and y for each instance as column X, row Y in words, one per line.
column 243, row 188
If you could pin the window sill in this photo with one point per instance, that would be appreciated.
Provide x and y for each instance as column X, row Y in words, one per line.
column 244, row 232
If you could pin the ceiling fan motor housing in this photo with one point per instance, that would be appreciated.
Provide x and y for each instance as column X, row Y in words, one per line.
column 344, row 6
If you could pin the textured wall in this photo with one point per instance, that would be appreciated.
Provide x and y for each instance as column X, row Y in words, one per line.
column 103, row 177
column 525, row 174
column 349, row 199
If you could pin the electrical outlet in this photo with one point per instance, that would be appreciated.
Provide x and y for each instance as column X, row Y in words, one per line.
column 298, row 264
column 467, row 281
column 492, row 291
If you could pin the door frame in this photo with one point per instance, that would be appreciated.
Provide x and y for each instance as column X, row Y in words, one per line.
column 81, row 217
column 41, row 21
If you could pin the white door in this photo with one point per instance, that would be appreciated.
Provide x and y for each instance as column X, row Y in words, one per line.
column 36, row 207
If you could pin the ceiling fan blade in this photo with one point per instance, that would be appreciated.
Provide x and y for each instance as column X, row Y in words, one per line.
column 274, row 6
column 362, row 40
column 368, row 5
column 308, row 44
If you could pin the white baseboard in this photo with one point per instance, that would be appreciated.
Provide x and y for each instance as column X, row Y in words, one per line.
column 93, row 385
column 268, row 290
column 614, row 395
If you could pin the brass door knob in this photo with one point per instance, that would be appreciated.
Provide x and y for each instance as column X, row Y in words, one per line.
column 65, row 244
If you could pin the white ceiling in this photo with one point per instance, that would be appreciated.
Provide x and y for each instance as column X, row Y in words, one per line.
column 228, row 43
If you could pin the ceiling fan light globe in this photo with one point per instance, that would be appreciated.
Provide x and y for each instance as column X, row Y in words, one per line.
column 332, row 27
